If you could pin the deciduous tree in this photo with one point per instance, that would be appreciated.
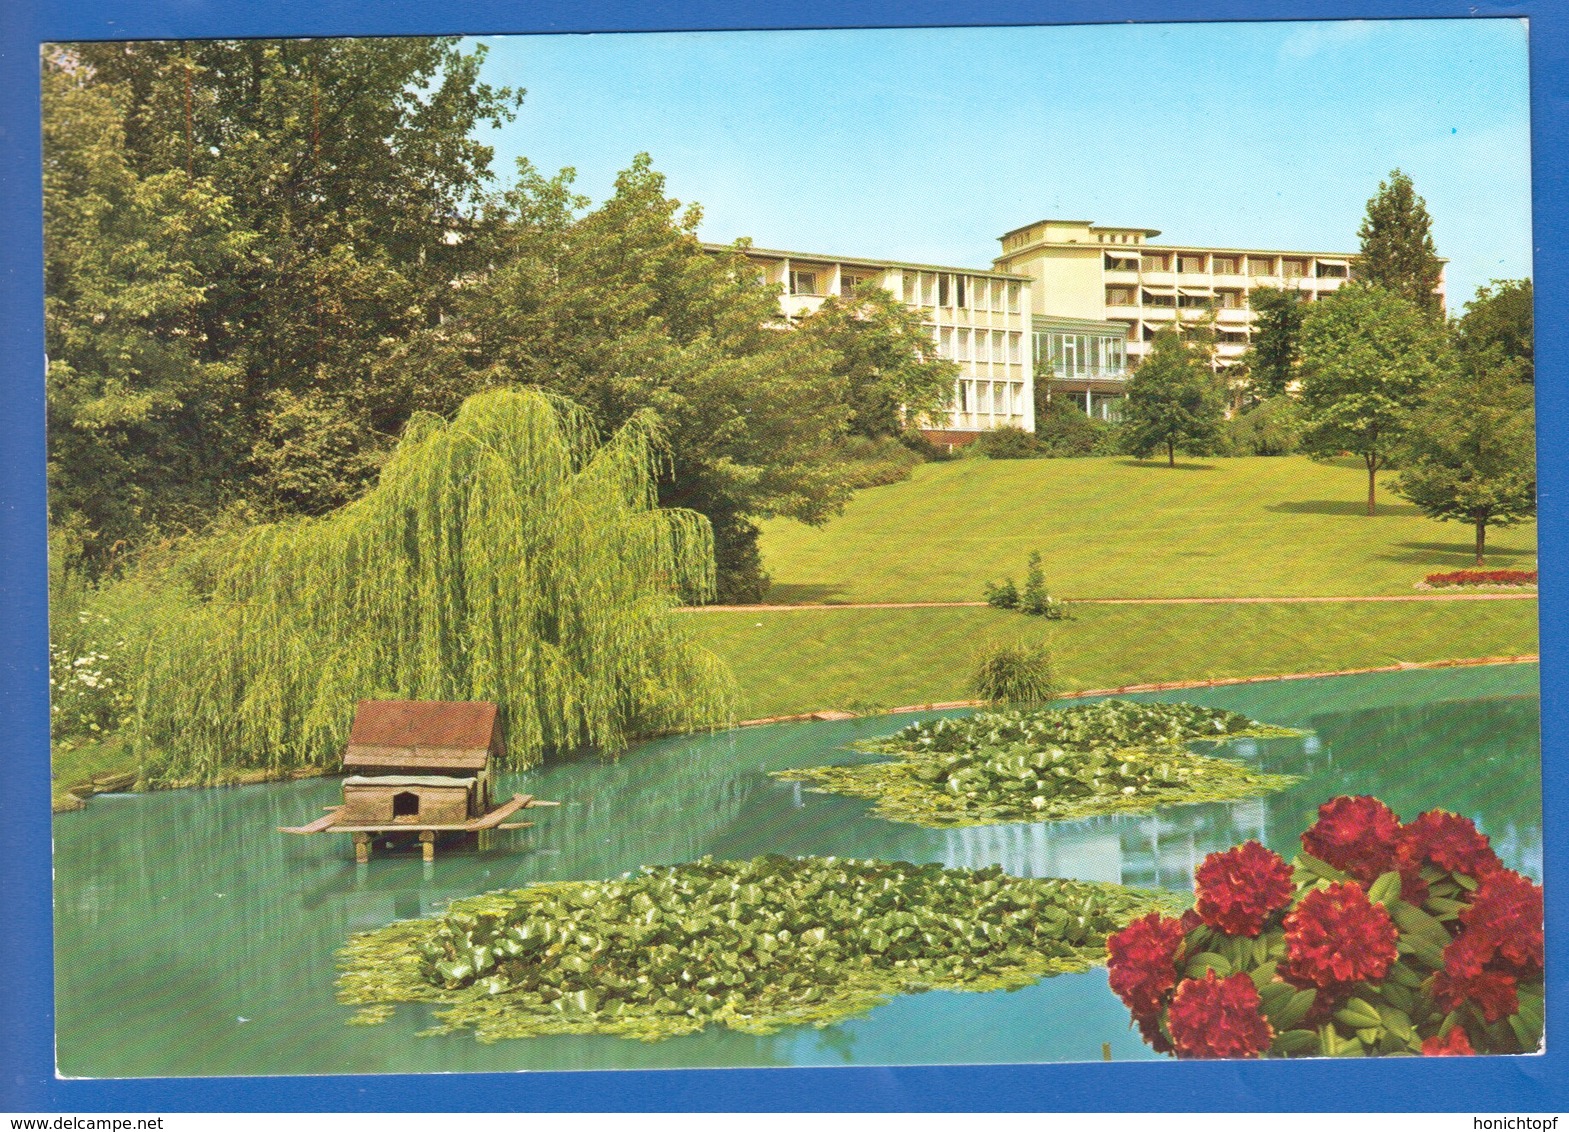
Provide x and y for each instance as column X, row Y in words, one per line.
column 1397, row 244
column 1495, row 333
column 1276, row 345
column 1368, row 357
column 1174, row 401
column 1471, row 454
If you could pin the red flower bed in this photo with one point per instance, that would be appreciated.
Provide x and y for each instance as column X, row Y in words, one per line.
column 1380, row 938
column 1482, row 578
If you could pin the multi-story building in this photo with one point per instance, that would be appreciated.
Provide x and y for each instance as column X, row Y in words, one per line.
column 978, row 319
column 1100, row 295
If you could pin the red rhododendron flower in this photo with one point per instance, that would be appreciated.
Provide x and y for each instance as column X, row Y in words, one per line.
column 1154, row 1036
column 1451, row 842
column 1508, row 908
column 1241, row 888
column 1458, row 1044
column 1336, row 935
column 1212, row 1017
column 1142, row 959
column 1468, row 953
column 1360, row 836
column 1492, row 994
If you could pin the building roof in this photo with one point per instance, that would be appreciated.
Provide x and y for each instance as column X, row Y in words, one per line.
column 855, row 261
column 1090, row 224
column 416, row 733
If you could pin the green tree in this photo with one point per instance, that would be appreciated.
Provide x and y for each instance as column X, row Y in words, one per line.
column 623, row 309
column 1471, row 454
column 1397, row 244
column 1495, row 333
column 1174, row 401
column 886, row 358
column 349, row 167
column 1275, row 347
column 1368, row 357
column 136, row 407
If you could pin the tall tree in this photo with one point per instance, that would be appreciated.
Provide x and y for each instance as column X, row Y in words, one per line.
column 1472, row 454
column 1174, row 401
column 1368, row 358
column 1397, row 244
column 350, row 168
column 886, row 358
column 137, row 406
column 622, row 309
column 1496, row 330
column 1277, row 330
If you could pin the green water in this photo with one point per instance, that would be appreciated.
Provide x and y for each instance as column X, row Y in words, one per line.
column 193, row 939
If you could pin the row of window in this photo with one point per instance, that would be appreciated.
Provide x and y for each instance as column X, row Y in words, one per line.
column 1080, row 355
column 953, row 290
column 997, row 398
column 962, row 344
column 805, row 281
column 1192, row 263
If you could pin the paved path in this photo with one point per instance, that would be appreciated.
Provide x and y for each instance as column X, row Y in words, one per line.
column 1488, row 596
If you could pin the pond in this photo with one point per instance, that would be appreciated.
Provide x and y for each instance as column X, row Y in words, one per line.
column 193, row 939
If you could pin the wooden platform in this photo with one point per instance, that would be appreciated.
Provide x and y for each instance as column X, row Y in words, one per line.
column 330, row 822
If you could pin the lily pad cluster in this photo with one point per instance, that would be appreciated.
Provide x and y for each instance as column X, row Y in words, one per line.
column 751, row 945
column 1063, row 763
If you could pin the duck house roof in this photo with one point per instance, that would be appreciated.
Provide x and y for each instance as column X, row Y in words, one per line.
column 423, row 733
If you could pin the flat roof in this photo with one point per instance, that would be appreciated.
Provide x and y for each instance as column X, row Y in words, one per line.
column 857, row 261
column 1090, row 224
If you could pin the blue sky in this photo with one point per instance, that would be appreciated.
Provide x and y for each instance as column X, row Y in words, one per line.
column 926, row 144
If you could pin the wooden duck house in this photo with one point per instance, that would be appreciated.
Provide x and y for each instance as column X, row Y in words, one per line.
column 420, row 767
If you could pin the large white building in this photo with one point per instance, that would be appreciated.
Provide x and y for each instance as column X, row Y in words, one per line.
column 1069, row 302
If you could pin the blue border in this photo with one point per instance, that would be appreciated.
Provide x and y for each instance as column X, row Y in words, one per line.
column 26, row 1011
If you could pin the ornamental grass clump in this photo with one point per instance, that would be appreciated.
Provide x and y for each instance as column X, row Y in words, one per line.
column 1379, row 938
column 1065, row 763
column 1018, row 673
column 749, row 945
column 506, row 555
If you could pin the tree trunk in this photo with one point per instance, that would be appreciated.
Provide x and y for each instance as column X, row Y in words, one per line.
column 1171, row 454
column 1371, row 469
column 1481, row 539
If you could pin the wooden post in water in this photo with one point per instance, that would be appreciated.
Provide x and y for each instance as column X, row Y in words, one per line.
column 361, row 848
column 427, row 844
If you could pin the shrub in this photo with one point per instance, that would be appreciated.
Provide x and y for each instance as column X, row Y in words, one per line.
column 1033, row 600
column 1270, row 428
column 1016, row 673
column 1008, row 443
column 1063, row 429
column 1005, row 596
column 878, row 461
column 1380, row 938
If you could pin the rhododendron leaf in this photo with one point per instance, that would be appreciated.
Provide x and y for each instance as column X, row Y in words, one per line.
column 1397, row 996
column 1523, row 1033
column 1385, row 888
column 1358, row 1014
column 1445, row 909
column 1396, row 1022
column 1296, row 1041
column 1208, row 961
column 1412, row 921
column 1295, row 1010
column 1470, row 884
column 1404, row 975
column 1264, row 980
column 1323, row 870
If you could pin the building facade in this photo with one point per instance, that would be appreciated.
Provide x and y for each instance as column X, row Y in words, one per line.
column 978, row 319
column 1101, row 294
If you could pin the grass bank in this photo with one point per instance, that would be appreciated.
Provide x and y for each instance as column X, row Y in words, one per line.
column 788, row 662
column 1115, row 527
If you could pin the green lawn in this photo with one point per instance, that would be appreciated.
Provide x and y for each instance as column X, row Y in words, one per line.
column 806, row 660
column 1115, row 527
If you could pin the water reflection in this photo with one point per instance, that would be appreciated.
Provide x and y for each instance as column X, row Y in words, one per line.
column 194, row 939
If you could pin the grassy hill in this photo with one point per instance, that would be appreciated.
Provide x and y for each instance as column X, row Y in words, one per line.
column 1115, row 527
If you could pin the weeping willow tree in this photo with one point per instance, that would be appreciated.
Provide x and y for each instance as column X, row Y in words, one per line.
column 505, row 556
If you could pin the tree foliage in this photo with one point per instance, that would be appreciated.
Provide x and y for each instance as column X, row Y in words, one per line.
column 1174, row 401
column 504, row 556
column 1275, row 347
column 294, row 207
column 1368, row 357
column 1397, row 244
column 886, row 359
column 624, row 310
column 1496, row 331
column 1471, row 454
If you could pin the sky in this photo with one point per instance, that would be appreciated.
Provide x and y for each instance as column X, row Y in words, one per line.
column 927, row 144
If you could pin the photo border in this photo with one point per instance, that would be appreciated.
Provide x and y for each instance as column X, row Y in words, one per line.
column 1493, row 1084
